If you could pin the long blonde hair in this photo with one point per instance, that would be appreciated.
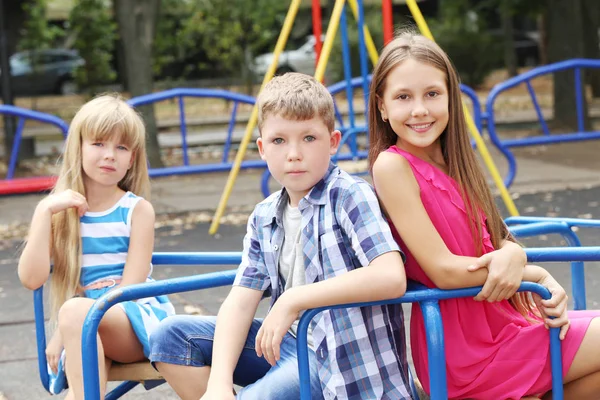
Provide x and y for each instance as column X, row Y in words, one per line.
column 458, row 154
column 99, row 119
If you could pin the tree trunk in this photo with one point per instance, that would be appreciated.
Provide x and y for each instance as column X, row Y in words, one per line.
column 565, row 41
column 591, row 36
column 137, row 21
column 510, row 57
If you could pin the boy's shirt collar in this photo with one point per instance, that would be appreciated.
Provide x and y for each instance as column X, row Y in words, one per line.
column 316, row 196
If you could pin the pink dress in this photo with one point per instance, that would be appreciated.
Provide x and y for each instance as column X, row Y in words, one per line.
column 492, row 351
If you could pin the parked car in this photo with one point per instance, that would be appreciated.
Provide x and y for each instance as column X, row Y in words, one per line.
column 44, row 72
column 302, row 60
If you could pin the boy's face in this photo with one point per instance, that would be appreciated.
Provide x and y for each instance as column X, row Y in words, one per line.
column 297, row 152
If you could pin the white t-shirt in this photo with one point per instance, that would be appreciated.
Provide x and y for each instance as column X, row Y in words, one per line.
column 291, row 259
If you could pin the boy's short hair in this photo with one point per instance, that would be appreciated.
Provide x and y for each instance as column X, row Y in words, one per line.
column 297, row 97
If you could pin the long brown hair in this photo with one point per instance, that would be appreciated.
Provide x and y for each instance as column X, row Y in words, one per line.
column 98, row 119
column 458, row 154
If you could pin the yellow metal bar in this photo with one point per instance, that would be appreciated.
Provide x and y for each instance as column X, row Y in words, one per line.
column 334, row 22
column 371, row 48
column 510, row 205
column 281, row 41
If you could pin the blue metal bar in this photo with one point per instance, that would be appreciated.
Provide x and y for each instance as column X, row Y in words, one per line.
column 579, row 222
column 579, row 100
column 349, row 135
column 89, row 343
column 120, row 390
column 230, row 132
column 556, row 138
column 337, row 113
column 264, row 183
column 346, row 61
column 40, row 336
column 538, row 109
column 183, row 125
column 420, row 296
column 187, row 92
column 503, row 145
column 362, row 52
column 477, row 114
column 562, row 254
column 14, row 155
column 436, row 350
column 577, row 267
column 197, row 258
column 36, row 116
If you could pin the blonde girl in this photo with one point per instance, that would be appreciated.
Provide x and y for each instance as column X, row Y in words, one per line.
column 444, row 216
column 97, row 231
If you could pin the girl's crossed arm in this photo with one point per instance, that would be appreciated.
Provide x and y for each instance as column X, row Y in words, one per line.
column 399, row 193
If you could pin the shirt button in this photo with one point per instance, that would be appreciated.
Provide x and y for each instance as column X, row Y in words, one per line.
column 275, row 247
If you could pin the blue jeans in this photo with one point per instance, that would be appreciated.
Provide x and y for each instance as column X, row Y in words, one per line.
column 188, row 340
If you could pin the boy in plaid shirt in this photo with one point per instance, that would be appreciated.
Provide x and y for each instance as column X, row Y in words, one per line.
column 321, row 240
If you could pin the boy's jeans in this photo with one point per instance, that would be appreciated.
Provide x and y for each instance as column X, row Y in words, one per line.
column 188, row 340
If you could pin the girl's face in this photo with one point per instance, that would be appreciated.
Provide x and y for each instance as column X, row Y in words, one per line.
column 415, row 103
column 105, row 162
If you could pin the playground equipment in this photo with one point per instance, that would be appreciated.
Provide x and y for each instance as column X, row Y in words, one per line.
column 26, row 185
column 504, row 145
column 338, row 17
column 428, row 298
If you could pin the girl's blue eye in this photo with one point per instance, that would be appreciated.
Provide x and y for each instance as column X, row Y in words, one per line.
column 278, row 140
column 122, row 147
column 310, row 138
column 98, row 144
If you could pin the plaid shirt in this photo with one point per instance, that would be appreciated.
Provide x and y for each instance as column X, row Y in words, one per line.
column 361, row 351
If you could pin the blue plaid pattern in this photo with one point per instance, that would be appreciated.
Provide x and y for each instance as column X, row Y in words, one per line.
column 361, row 351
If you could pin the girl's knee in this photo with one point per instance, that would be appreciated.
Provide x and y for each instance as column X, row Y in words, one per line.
column 72, row 314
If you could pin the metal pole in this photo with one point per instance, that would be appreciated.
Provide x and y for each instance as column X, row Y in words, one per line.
column 7, row 97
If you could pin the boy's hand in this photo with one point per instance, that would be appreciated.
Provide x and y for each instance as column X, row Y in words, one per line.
column 53, row 351
column 274, row 327
column 505, row 272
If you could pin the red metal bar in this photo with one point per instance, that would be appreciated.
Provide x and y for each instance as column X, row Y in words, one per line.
column 388, row 21
column 26, row 185
column 317, row 28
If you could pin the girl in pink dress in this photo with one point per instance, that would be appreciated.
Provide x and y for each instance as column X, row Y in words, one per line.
column 443, row 215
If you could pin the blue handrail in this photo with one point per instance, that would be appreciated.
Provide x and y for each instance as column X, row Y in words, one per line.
column 504, row 145
column 428, row 299
column 24, row 114
column 90, row 328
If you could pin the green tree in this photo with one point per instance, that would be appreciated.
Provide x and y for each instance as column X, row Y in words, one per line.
column 37, row 34
column 232, row 31
column 462, row 33
column 95, row 33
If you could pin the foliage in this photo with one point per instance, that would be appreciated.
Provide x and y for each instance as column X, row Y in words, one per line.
column 36, row 33
column 231, row 32
column 95, row 32
column 462, row 33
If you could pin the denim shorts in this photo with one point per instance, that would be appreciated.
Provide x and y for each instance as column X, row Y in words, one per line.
column 188, row 340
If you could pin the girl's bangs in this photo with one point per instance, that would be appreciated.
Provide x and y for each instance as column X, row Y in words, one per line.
column 112, row 125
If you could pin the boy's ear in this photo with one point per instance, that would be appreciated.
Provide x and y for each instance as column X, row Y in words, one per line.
column 261, row 149
column 334, row 141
